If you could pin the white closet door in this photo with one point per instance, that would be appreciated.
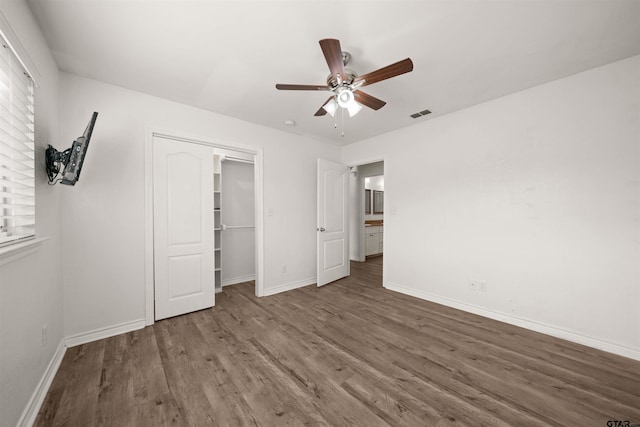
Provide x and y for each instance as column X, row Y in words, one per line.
column 333, row 222
column 183, row 227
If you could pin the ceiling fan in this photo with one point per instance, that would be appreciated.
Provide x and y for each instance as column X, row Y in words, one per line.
column 345, row 84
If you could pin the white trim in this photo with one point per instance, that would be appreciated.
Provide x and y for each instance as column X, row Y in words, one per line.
column 9, row 254
column 239, row 279
column 365, row 162
column 17, row 48
column 290, row 286
column 258, row 177
column 149, row 291
column 259, row 209
column 34, row 404
column 101, row 333
column 517, row 321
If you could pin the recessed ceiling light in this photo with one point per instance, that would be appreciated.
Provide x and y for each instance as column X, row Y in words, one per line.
column 289, row 123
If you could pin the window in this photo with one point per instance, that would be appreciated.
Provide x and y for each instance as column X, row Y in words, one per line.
column 17, row 183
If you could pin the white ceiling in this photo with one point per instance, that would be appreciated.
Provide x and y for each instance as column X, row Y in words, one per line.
column 227, row 56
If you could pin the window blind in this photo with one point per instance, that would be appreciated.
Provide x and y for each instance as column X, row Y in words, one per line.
column 17, row 183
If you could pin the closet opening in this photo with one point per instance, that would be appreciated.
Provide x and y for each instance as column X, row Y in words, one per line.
column 234, row 210
column 204, row 222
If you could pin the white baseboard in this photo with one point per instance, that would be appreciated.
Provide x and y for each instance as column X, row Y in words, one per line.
column 30, row 412
column 290, row 286
column 110, row 331
column 517, row 321
column 239, row 279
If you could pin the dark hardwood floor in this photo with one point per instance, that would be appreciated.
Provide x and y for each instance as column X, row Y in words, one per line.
column 348, row 354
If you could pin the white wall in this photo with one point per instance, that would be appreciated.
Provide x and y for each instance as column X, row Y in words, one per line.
column 536, row 193
column 371, row 169
column 374, row 183
column 31, row 286
column 104, row 241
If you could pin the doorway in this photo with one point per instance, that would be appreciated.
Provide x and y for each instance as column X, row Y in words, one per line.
column 366, row 199
column 241, row 151
column 236, row 228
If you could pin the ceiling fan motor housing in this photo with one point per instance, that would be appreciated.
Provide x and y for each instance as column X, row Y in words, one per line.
column 350, row 77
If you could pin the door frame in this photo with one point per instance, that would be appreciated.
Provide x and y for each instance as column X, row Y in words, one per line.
column 150, row 133
column 358, row 214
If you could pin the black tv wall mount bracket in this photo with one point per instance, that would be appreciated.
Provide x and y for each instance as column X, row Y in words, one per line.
column 54, row 159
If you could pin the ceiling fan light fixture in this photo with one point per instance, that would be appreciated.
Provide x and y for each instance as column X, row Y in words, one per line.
column 353, row 108
column 345, row 97
column 331, row 107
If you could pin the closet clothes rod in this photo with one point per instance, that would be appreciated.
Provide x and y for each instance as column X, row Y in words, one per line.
column 231, row 227
column 236, row 159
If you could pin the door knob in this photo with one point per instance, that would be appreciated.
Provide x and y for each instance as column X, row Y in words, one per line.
column 321, row 229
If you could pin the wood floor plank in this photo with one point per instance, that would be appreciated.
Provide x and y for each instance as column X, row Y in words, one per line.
column 378, row 340
column 349, row 353
column 80, row 378
column 272, row 398
column 518, row 369
column 368, row 362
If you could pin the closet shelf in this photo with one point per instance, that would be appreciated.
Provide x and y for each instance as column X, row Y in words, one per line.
column 217, row 214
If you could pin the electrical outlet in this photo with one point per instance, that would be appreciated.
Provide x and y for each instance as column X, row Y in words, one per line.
column 44, row 334
column 284, row 268
column 478, row 285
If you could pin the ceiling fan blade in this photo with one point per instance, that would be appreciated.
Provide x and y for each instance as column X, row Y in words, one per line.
column 333, row 54
column 281, row 86
column 368, row 100
column 400, row 67
column 322, row 111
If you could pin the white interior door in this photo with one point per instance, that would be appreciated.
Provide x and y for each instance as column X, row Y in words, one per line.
column 183, row 227
column 333, row 222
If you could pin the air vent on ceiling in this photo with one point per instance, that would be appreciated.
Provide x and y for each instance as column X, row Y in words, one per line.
column 420, row 114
